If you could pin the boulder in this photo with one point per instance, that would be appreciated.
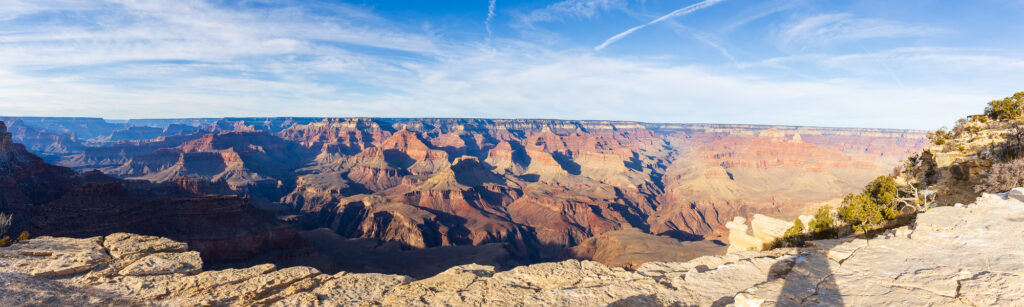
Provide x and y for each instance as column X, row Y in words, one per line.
column 767, row 229
column 762, row 230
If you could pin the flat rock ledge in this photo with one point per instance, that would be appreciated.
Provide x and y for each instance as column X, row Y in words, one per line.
column 965, row 255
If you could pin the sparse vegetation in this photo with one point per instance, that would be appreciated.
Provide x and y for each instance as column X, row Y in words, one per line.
column 914, row 185
column 823, row 226
column 876, row 204
column 1002, row 177
column 938, row 137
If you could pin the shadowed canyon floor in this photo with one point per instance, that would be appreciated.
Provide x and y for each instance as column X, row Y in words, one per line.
column 905, row 266
column 520, row 191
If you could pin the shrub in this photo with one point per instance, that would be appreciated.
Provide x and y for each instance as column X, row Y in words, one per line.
column 823, row 226
column 1008, row 108
column 794, row 237
column 882, row 190
column 23, row 237
column 860, row 212
column 796, row 230
column 5, row 241
column 1002, row 177
column 938, row 137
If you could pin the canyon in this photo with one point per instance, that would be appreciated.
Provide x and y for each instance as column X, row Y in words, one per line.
column 435, row 192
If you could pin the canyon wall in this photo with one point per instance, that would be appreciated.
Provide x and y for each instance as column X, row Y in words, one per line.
column 535, row 186
column 54, row 200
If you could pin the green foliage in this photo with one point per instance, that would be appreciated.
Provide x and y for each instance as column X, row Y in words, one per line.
column 23, row 237
column 823, row 226
column 939, row 137
column 1008, row 108
column 794, row 237
column 860, row 212
column 877, row 203
column 796, row 230
column 882, row 190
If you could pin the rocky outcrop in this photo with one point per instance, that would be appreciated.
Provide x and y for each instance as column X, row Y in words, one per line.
column 761, row 231
column 906, row 266
column 139, row 270
column 958, row 255
column 630, row 248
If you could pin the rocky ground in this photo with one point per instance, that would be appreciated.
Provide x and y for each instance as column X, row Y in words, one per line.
column 960, row 255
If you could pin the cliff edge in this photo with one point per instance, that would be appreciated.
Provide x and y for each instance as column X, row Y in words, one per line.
column 960, row 255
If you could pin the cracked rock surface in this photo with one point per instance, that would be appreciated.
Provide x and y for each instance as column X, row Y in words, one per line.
column 971, row 255
column 127, row 269
column 961, row 256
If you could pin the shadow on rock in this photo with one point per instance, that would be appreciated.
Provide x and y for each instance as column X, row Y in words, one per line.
column 811, row 282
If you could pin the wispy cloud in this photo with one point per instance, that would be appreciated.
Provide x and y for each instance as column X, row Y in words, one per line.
column 571, row 9
column 830, row 28
column 197, row 58
column 490, row 16
column 677, row 13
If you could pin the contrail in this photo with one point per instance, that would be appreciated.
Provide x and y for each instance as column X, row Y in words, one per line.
column 490, row 15
column 680, row 12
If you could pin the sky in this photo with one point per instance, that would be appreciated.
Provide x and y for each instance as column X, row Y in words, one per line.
column 879, row 63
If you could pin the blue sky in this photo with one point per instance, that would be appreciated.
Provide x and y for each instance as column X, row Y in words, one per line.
column 899, row 64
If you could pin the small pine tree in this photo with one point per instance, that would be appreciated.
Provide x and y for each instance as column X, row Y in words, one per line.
column 861, row 212
column 823, row 226
column 882, row 190
column 796, row 231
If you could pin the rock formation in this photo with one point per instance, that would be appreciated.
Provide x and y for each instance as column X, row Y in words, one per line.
column 630, row 248
column 761, row 231
column 906, row 266
column 535, row 186
column 53, row 200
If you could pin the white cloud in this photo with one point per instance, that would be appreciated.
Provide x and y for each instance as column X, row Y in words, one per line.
column 580, row 9
column 184, row 59
column 830, row 28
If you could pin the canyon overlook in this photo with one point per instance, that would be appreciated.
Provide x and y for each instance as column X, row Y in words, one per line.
column 497, row 192
column 907, row 266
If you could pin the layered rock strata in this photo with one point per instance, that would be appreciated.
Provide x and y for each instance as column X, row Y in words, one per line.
column 535, row 186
